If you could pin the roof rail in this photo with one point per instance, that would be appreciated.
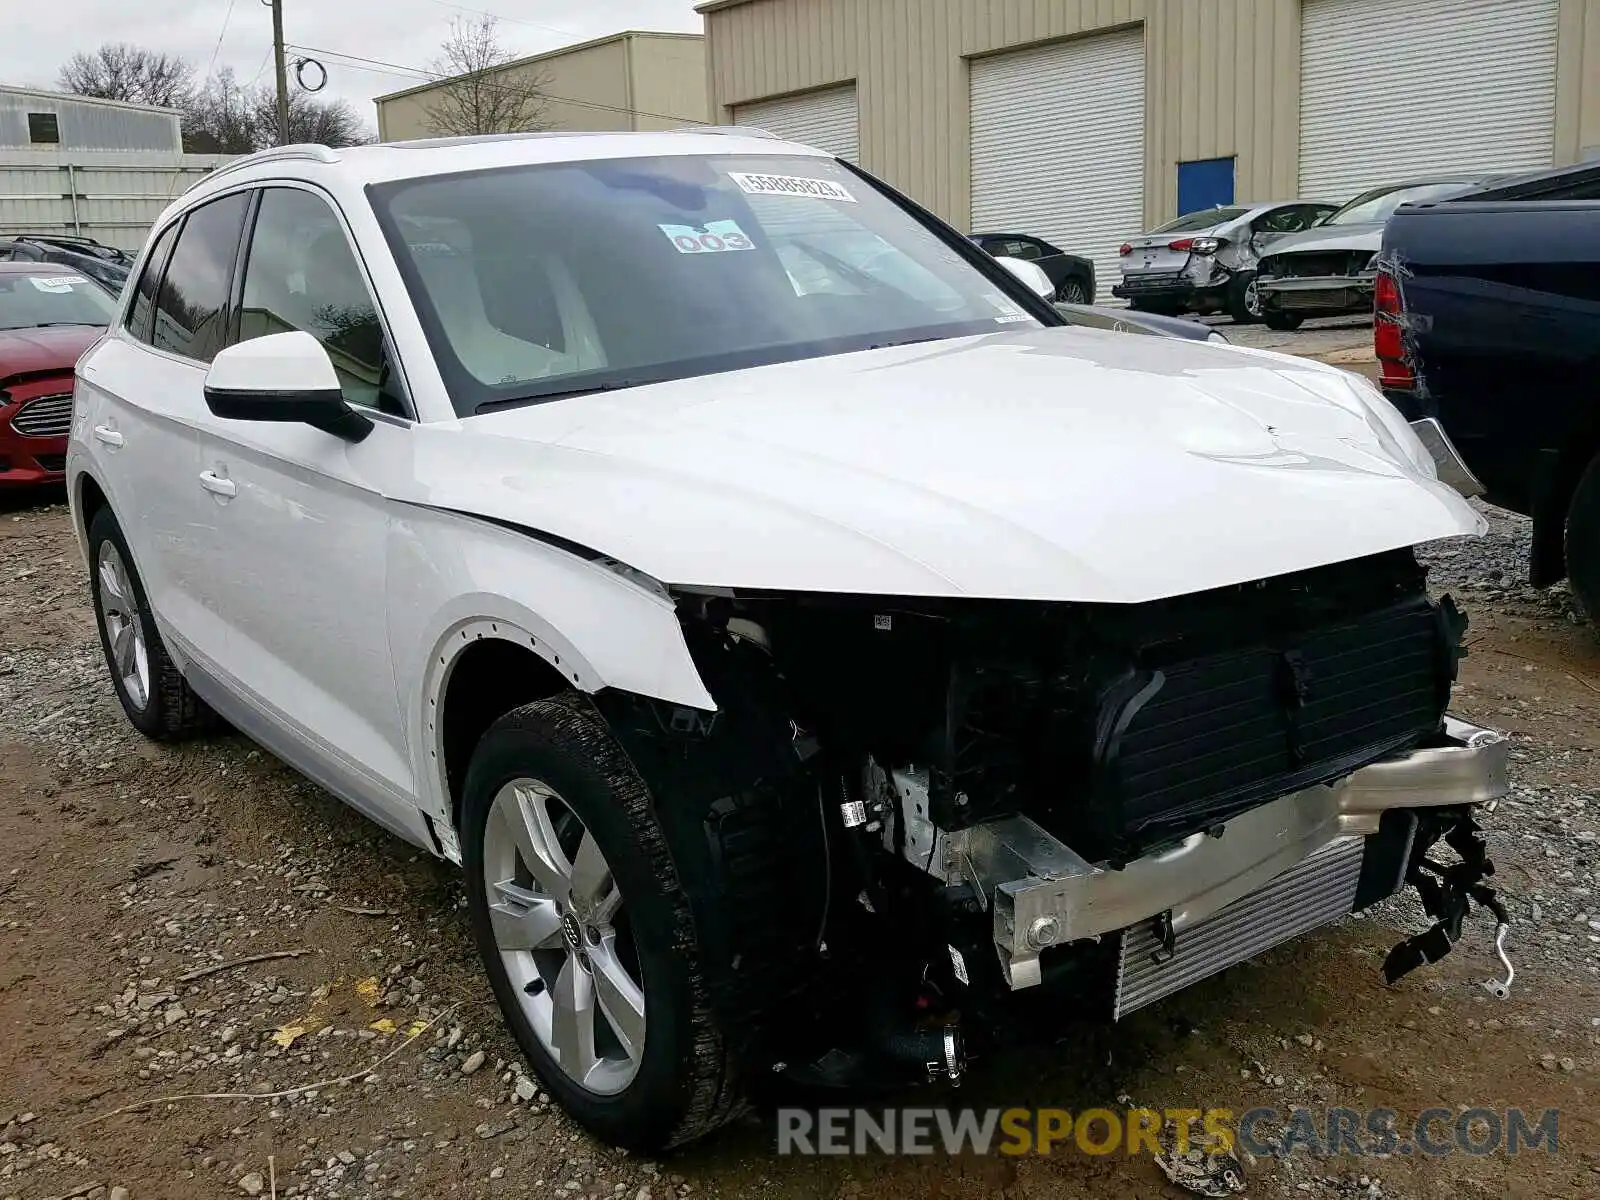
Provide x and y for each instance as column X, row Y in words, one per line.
column 306, row 151
column 729, row 131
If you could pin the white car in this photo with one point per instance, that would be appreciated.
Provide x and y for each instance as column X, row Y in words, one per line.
column 799, row 639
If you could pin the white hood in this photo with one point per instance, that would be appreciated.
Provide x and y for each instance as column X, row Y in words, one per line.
column 1055, row 464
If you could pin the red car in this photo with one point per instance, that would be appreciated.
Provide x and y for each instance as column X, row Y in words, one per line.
column 48, row 317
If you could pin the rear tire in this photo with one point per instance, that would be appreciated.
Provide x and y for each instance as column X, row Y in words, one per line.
column 1073, row 291
column 1244, row 302
column 654, row 1070
column 157, row 700
column 1281, row 321
column 1583, row 541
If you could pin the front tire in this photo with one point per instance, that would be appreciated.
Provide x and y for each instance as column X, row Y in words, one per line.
column 586, row 932
column 1583, row 541
column 157, row 700
column 1281, row 321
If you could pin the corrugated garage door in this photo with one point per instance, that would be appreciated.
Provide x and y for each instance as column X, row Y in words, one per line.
column 1058, row 145
column 1393, row 89
column 827, row 120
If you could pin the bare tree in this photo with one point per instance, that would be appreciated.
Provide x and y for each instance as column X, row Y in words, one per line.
column 220, row 118
column 481, row 92
column 225, row 117
column 323, row 122
column 118, row 71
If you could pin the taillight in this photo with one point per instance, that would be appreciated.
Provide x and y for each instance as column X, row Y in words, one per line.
column 1125, row 249
column 1388, row 336
column 1182, row 245
column 1208, row 245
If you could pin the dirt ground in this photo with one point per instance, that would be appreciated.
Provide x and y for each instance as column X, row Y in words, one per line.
column 127, row 869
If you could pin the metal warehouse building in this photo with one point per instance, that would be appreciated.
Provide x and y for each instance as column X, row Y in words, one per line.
column 1085, row 120
column 631, row 80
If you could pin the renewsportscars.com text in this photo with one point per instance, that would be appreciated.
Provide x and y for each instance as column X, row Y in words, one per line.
column 1433, row 1132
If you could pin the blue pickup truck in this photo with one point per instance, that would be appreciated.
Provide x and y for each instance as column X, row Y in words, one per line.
column 1487, row 318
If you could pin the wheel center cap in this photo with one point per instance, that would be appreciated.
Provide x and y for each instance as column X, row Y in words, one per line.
column 572, row 931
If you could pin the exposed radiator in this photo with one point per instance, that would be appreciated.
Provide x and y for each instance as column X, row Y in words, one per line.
column 1311, row 894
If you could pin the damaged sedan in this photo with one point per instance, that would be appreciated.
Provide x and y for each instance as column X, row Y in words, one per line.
column 1330, row 271
column 821, row 659
column 1205, row 261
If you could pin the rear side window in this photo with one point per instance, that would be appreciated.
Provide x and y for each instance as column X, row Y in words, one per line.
column 191, row 310
column 144, row 294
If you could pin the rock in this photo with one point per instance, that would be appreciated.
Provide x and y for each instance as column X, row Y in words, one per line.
column 1569, row 1064
column 497, row 1173
column 474, row 1062
column 453, row 1037
column 119, row 1193
column 526, row 1090
column 227, row 1035
column 347, row 1158
column 174, row 1014
column 1305, row 1039
column 642, row 1194
column 252, row 1184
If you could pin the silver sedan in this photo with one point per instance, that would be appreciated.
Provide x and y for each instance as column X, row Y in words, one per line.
column 1205, row 261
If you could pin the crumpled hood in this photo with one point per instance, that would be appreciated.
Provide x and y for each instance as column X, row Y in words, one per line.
column 1339, row 237
column 1051, row 464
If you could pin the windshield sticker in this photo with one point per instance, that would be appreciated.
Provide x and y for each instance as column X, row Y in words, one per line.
column 714, row 237
column 790, row 185
column 55, row 283
column 1010, row 319
column 1003, row 306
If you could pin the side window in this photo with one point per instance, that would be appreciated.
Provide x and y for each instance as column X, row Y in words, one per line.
column 1023, row 250
column 301, row 274
column 192, row 308
column 1318, row 213
column 144, row 294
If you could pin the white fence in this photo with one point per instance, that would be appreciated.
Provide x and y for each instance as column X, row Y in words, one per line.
column 111, row 196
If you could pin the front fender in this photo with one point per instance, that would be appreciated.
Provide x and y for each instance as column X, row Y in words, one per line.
column 454, row 579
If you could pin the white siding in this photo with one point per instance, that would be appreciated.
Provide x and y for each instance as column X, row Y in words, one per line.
column 111, row 197
column 827, row 120
column 1058, row 145
column 1389, row 90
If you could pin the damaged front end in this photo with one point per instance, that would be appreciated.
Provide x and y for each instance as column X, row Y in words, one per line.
column 908, row 811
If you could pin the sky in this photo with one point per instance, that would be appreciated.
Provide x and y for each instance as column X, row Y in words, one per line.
column 36, row 36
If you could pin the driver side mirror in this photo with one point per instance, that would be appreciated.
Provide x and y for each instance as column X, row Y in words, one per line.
column 282, row 377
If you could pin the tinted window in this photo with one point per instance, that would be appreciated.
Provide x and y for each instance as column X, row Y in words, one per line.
column 538, row 281
column 1023, row 250
column 301, row 274
column 191, row 313
column 144, row 295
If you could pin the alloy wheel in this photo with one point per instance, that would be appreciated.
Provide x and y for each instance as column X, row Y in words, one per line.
column 1252, row 299
column 564, row 937
column 119, row 612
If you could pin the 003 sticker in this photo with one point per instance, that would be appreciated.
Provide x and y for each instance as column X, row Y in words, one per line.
column 714, row 237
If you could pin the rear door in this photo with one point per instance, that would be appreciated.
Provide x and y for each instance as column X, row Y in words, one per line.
column 142, row 394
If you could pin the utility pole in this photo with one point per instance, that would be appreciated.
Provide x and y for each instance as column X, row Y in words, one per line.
column 282, row 72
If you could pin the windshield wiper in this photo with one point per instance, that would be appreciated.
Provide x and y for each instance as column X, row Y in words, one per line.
column 588, row 389
column 53, row 324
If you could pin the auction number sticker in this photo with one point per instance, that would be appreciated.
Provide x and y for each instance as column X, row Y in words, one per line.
column 790, row 185
column 714, row 237
column 55, row 283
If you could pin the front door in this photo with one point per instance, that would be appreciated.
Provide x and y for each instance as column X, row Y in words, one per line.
column 300, row 522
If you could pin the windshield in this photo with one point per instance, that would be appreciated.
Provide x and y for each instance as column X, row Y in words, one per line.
column 1379, row 205
column 1204, row 219
column 541, row 281
column 28, row 301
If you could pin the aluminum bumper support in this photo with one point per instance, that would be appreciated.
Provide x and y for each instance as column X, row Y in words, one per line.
column 1043, row 894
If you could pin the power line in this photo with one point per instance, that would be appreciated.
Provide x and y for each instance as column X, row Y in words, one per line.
column 222, row 33
column 388, row 68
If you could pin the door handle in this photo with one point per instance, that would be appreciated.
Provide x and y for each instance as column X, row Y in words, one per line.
column 108, row 435
column 218, row 485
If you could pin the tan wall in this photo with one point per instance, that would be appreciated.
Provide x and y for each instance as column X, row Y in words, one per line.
column 1221, row 77
column 586, row 89
column 669, row 80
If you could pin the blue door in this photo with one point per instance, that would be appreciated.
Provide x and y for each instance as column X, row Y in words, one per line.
column 1204, row 183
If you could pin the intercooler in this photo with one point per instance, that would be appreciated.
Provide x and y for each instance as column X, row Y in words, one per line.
column 1313, row 893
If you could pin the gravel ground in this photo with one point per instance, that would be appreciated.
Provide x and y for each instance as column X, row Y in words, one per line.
column 137, row 882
